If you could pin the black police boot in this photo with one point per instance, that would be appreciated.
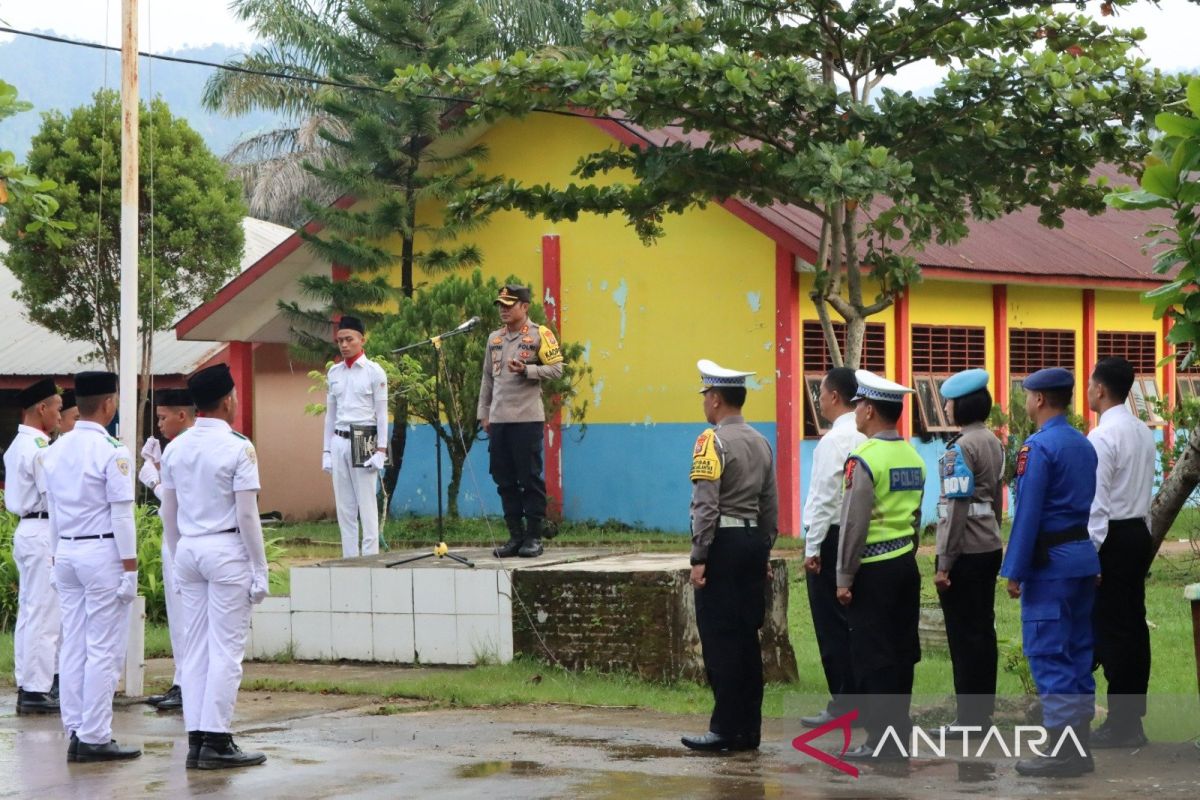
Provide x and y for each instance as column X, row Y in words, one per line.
column 532, row 546
column 219, row 752
column 54, row 687
column 73, row 748
column 1068, row 762
column 86, row 753
column 172, row 700
column 36, row 703
column 1116, row 735
column 516, row 534
column 195, row 742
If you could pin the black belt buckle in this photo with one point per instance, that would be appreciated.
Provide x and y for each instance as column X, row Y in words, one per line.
column 343, row 434
column 37, row 515
column 86, row 538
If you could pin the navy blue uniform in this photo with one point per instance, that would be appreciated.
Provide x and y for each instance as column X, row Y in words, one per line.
column 1055, row 484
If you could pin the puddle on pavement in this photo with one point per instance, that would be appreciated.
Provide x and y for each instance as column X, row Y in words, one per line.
column 618, row 751
column 488, row 769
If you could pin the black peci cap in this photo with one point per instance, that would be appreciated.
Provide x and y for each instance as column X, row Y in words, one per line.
column 173, row 398
column 351, row 324
column 68, row 399
column 92, row 384
column 30, row 396
column 210, row 384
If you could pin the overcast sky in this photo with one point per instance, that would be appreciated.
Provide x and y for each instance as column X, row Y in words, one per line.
column 1171, row 28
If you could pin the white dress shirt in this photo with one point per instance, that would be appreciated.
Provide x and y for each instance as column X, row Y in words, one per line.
column 824, row 504
column 87, row 473
column 358, row 395
column 1125, row 455
column 206, row 466
column 24, row 485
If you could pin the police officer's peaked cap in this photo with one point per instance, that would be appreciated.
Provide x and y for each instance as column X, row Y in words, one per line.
column 30, row 396
column 173, row 398
column 210, row 384
column 93, row 384
column 712, row 374
column 873, row 387
column 512, row 294
column 964, row 383
column 351, row 324
column 68, row 399
column 1050, row 378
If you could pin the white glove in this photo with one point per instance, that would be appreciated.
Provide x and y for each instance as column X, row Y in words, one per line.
column 327, row 462
column 258, row 587
column 376, row 461
column 152, row 450
column 148, row 475
column 128, row 588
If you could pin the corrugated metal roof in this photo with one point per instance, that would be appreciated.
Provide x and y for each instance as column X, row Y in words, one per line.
column 27, row 348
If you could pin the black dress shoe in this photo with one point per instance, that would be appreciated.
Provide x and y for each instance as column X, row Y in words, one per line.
column 172, row 700
column 1109, row 737
column 195, row 742
column 1066, row 762
column 866, row 752
column 73, row 748
column 219, row 752
column 532, row 548
column 36, row 703
column 54, row 687
column 104, row 752
column 509, row 549
column 713, row 743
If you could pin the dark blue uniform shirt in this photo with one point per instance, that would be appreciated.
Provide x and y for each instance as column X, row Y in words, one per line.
column 1054, row 487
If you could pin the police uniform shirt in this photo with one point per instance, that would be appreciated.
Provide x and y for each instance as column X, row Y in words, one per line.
column 357, row 395
column 824, row 503
column 507, row 396
column 1125, row 455
column 733, row 475
column 207, row 466
column 86, row 472
column 24, row 482
column 972, row 497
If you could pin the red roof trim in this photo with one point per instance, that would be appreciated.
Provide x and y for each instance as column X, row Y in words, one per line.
column 1009, row 278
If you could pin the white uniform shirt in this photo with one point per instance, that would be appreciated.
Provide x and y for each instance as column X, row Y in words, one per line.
column 86, row 471
column 1125, row 456
column 24, row 482
column 824, row 504
column 207, row 465
column 357, row 396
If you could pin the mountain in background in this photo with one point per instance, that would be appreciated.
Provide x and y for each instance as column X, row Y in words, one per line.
column 61, row 76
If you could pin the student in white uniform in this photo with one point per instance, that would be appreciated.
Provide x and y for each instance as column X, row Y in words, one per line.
column 358, row 395
column 1119, row 528
column 89, row 486
column 36, row 638
column 210, row 520
column 175, row 414
column 70, row 414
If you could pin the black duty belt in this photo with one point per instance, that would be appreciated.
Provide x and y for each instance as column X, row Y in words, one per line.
column 85, row 538
column 37, row 515
column 1134, row 524
column 727, row 522
column 348, row 434
column 890, row 546
column 1046, row 541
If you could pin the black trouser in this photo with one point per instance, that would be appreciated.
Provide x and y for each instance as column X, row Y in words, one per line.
column 1119, row 619
column 515, row 450
column 969, row 607
column 829, row 622
column 729, row 611
column 884, row 645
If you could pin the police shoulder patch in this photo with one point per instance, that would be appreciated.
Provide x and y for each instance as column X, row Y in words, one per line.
column 40, row 442
column 706, row 462
column 123, row 465
column 1022, row 459
column 548, row 352
column 251, row 456
column 848, row 472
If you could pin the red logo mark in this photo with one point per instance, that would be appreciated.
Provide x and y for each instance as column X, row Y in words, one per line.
column 844, row 723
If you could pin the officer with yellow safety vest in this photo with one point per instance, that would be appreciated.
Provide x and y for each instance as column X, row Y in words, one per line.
column 877, row 576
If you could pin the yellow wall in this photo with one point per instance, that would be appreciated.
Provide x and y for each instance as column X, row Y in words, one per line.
column 955, row 303
column 1050, row 308
column 1124, row 311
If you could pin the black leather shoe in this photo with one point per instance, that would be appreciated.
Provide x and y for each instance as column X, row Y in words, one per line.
column 172, row 700
column 532, row 548
column 54, row 687
column 73, row 748
column 866, row 752
column 36, row 703
column 1110, row 737
column 713, row 743
column 219, row 752
column 104, row 752
column 195, row 742
column 509, row 549
column 817, row 720
column 1067, row 762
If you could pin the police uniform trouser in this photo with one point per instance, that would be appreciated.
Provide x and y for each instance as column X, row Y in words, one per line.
column 829, row 622
column 1122, row 637
column 515, row 456
column 729, row 612
column 1056, row 632
column 214, row 576
column 969, row 608
column 354, row 491
column 39, row 621
column 174, row 604
column 884, row 645
column 95, row 630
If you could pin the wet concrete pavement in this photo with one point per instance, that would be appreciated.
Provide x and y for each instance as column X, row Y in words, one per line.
column 322, row 746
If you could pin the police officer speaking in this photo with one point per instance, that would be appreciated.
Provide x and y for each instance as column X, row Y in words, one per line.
column 735, row 512
column 210, row 520
column 89, row 485
column 1052, row 567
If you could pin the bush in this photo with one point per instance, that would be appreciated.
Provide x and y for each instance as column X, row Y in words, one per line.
column 8, row 569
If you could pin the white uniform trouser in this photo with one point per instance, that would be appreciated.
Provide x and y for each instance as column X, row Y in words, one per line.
column 39, row 621
column 95, row 626
column 174, row 612
column 354, row 492
column 213, row 573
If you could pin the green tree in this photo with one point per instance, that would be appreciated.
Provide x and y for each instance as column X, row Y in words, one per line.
column 21, row 187
column 440, row 308
column 1171, row 181
column 190, row 224
column 1032, row 99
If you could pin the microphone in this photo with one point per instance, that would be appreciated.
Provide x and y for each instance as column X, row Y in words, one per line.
column 469, row 324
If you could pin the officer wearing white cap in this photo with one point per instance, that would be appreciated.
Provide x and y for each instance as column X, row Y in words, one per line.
column 36, row 637
column 210, row 520
column 358, row 397
column 89, row 485
column 175, row 413
column 735, row 513
column 969, row 549
column 877, row 574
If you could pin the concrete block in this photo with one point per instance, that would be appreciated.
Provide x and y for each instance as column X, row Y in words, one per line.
column 392, row 591
column 310, row 589
column 352, row 637
column 436, row 638
column 280, row 604
column 433, row 591
column 272, row 633
column 312, row 637
column 350, row 590
column 505, row 626
column 478, row 638
column 392, row 638
column 475, row 591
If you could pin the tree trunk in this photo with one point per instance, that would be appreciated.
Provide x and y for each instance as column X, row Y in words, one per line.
column 1175, row 490
column 456, row 470
column 856, row 328
column 391, row 475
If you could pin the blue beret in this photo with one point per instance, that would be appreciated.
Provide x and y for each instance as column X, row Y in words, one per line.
column 1049, row 378
column 964, row 383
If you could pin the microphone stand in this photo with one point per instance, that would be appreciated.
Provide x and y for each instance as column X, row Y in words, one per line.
column 436, row 341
